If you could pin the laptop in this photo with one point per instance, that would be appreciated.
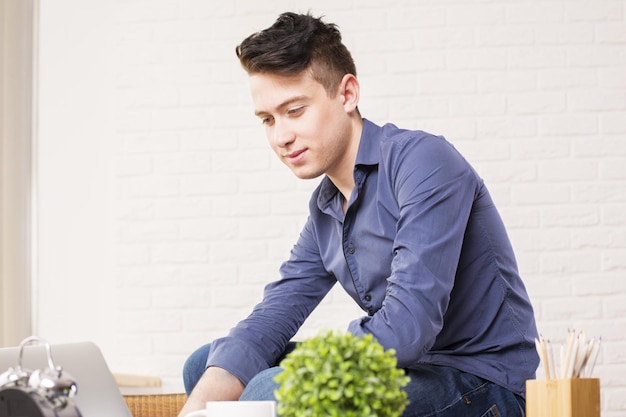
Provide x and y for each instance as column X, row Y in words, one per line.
column 98, row 394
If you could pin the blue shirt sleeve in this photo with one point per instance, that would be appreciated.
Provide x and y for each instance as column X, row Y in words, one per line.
column 452, row 295
column 434, row 190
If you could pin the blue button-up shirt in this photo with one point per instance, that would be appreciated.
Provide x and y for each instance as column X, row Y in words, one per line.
column 421, row 249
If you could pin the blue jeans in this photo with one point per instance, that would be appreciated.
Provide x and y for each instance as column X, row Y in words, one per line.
column 433, row 391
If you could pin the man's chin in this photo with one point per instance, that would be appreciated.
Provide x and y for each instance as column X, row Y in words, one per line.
column 305, row 175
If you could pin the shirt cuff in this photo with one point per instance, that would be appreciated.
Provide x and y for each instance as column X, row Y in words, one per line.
column 237, row 357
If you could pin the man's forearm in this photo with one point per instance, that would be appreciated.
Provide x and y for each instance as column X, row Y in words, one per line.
column 216, row 384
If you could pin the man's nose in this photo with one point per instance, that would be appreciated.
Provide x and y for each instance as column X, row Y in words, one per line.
column 283, row 134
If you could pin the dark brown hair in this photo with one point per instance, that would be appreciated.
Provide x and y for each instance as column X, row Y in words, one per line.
column 295, row 43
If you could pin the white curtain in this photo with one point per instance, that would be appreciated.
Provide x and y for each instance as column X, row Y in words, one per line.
column 17, row 92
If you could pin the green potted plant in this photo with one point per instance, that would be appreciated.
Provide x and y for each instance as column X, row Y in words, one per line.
column 341, row 375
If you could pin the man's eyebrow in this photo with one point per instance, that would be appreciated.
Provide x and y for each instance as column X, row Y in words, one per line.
column 282, row 105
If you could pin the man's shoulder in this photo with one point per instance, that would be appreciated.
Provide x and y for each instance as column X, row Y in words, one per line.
column 420, row 143
column 390, row 137
column 392, row 133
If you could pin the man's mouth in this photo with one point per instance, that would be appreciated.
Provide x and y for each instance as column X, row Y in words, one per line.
column 296, row 155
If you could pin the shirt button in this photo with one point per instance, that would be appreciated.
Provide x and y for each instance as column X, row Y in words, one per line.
column 351, row 250
column 368, row 298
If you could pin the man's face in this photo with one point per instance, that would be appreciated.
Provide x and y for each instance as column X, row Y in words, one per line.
column 309, row 131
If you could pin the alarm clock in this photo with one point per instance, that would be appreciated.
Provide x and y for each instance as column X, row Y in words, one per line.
column 45, row 392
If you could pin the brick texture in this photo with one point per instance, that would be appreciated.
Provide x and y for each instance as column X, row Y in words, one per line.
column 532, row 92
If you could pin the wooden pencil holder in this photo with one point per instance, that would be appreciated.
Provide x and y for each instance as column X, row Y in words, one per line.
column 576, row 397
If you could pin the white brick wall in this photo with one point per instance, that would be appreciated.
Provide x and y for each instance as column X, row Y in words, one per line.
column 191, row 214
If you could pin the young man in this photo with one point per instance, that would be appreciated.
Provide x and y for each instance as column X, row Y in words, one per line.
column 400, row 220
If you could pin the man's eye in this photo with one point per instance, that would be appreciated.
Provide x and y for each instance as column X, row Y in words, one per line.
column 296, row 111
column 267, row 120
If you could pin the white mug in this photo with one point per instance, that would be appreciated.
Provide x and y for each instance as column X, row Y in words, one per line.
column 237, row 409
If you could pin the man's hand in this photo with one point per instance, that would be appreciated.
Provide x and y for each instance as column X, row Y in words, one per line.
column 216, row 384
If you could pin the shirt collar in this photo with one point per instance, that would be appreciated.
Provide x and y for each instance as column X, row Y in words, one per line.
column 367, row 155
column 369, row 146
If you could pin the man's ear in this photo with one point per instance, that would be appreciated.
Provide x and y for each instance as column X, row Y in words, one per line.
column 350, row 92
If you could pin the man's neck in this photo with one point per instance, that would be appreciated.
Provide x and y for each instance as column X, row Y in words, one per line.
column 344, row 178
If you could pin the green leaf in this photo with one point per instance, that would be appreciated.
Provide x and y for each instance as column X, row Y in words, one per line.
column 339, row 374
